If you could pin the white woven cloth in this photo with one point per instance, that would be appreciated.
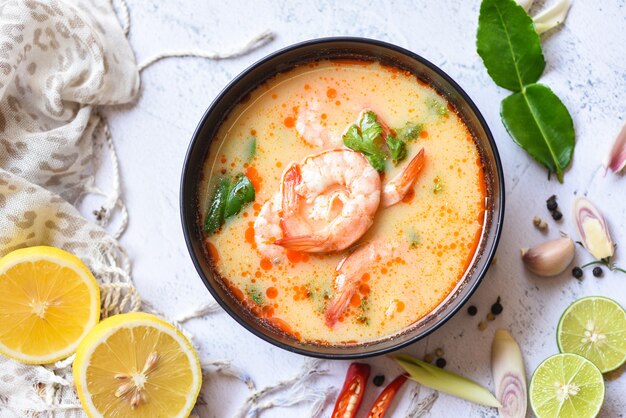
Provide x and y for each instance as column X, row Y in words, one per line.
column 59, row 61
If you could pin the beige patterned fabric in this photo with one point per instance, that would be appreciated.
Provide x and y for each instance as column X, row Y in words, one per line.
column 59, row 61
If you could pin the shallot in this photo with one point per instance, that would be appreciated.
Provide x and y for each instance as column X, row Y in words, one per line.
column 592, row 229
column 507, row 367
column 616, row 160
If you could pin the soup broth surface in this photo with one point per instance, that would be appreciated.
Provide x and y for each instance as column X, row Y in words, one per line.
column 439, row 222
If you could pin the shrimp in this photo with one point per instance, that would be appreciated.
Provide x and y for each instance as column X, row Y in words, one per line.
column 267, row 230
column 309, row 127
column 349, row 273
column 350, row 189
column 395, row 190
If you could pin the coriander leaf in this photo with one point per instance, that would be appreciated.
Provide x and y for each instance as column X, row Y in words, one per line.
column 508, row 44
column 539, row 122
column 438, row 185
column 370, row 128
column 364, row 306
column 377, row 161
column 437, row 105
column 410, row 131
column 414, row 238
column 366, row 138
column 240, row 193
column 215, row 215
column 251, row 149
column 255, row 294
column 397, row 148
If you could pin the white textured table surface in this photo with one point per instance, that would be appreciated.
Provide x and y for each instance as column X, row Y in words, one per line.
column 585, row 67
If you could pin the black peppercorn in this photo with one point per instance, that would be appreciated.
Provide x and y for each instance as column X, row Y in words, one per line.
column 577, row 272
column 441, row 363
column 597, row 271
column 551, row 203
column 497, row 308
column 472, row 310
column 378, row 380
column 556, row 215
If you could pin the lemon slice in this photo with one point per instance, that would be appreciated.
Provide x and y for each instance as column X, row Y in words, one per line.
column 49, row 301
column 136, row 365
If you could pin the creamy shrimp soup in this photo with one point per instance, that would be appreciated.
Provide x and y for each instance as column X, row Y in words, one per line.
column 342, row 201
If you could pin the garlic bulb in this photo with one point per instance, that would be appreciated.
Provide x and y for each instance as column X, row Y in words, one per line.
column 507, row 368
column 593, row 229
column 550, row 258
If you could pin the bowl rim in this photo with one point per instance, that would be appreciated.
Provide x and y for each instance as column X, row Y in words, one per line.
column 497, row 222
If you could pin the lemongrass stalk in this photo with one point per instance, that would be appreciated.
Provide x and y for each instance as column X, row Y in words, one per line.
column 444, row 381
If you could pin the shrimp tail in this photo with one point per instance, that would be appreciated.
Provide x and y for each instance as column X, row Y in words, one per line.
column 306, row 243
column 290, row 200
column 291, row 178
column 400, row 185
column 338, row 306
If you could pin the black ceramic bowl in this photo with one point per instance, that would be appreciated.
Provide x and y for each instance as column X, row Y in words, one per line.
column 344, row 48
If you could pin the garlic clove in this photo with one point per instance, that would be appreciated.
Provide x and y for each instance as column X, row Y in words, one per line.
column 550, row 258
column 616, row 160
column 592, row 229
column 526, row 4
column 552, row 17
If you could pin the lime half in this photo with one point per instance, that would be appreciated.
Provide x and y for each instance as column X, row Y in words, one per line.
column 595, row 328
column 566, row 385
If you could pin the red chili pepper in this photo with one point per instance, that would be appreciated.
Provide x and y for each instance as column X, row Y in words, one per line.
column 351, row 395
column 381, row 404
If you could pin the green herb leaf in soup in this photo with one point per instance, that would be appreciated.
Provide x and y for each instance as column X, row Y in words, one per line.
column 240, row 193
column 397, row 148
column 437, row 105
column 539, row 122
column 250, row 149
column 255, row 294
column 215, row 215
column 366, row 137
column 410, row 131
column 229, row 197
column 509, row 44
column 414, row 238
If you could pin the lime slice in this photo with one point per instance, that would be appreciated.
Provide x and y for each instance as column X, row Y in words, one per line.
column 595, row 328
column 566, row 385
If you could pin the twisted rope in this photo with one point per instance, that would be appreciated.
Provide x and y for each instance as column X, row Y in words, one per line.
column 254, row 43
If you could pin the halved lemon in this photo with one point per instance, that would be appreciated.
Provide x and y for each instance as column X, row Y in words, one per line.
column 49, row 301
column 136, row 365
